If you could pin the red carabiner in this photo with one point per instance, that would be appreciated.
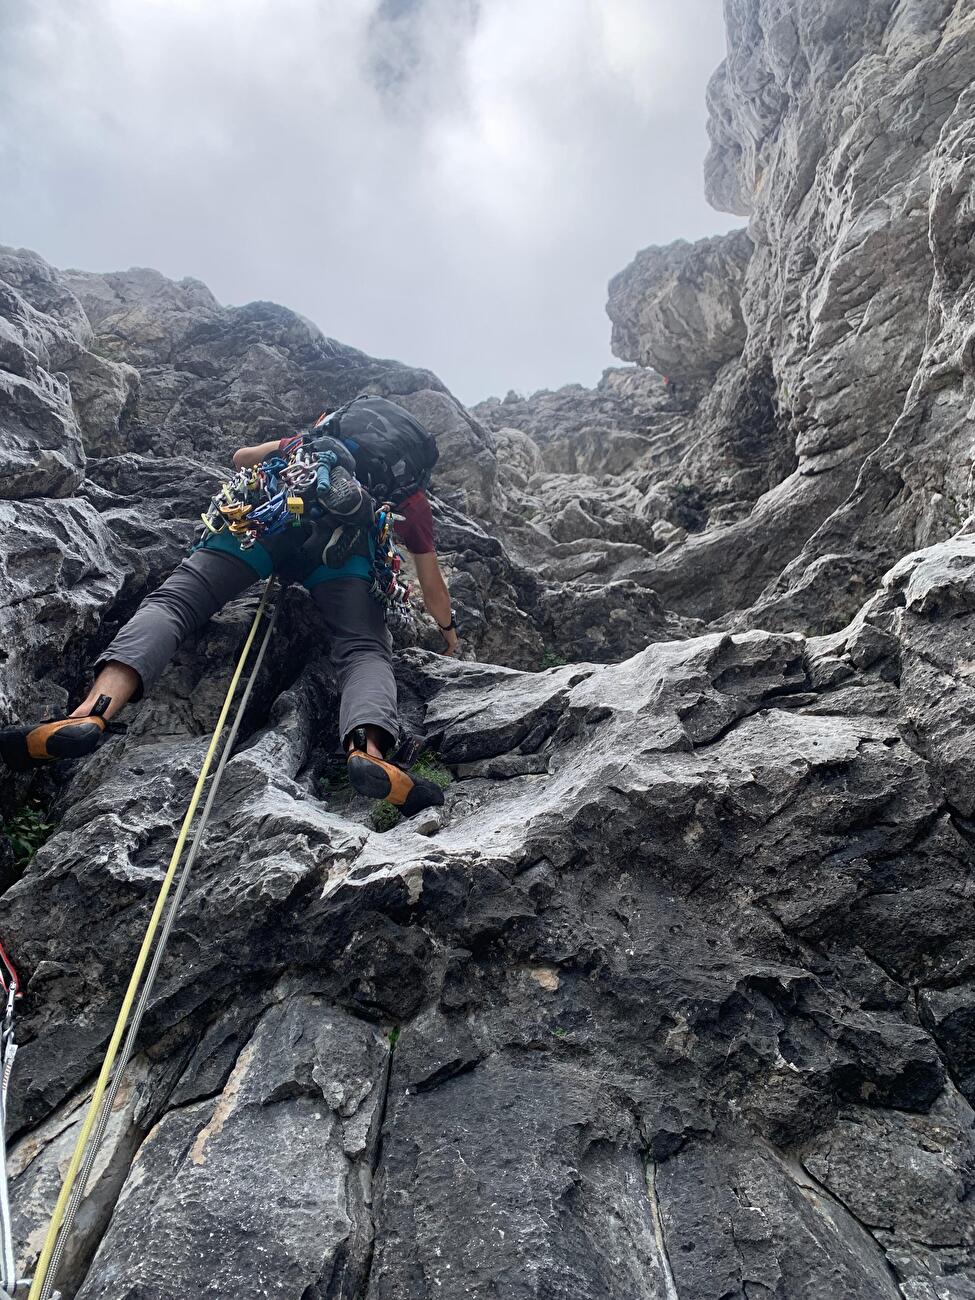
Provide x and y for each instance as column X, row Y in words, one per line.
column 9, row 979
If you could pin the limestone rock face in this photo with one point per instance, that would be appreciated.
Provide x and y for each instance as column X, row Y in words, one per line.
column 693, row 937
column 678, row 309
column 844, row 133
column 675, row 997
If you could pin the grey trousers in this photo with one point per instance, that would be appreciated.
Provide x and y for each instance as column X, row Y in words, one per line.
column 206, row 580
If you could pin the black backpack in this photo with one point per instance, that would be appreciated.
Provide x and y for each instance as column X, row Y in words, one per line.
column 394, row 454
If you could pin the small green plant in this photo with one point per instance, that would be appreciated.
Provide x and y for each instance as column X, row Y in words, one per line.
column 394, row 1034
column 552, row 659
column 559, row 1032
column 100, row 350
column 27, row 830
column 335, row 780
column 385, row 816
column 430, row 766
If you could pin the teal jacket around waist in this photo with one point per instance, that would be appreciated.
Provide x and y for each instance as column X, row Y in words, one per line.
column 289, row 555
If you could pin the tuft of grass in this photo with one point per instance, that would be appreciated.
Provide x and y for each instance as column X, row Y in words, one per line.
column 430, row 766
column 385, row 816
column 27, row 830
column 393, row 1036
column 552, row 659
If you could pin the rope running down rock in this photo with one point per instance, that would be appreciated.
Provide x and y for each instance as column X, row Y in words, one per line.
column 100, row 1106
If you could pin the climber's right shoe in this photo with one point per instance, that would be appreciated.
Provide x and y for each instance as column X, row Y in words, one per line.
column 22, row 748
column 379, row 779
column 345, row 499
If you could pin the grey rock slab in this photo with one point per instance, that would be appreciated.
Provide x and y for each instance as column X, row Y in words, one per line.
column 36, row 1168
column 907, row 1178
column 512, row 1179
column 266, row 1190
column 59, row 569
column 739, row 1221
column 678, row 308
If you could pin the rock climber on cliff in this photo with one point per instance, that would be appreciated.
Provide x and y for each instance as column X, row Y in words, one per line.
column 377, row 446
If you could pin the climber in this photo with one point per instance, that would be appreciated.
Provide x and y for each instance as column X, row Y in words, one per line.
column 394, row 457
column 670, row 388
column 218, row 569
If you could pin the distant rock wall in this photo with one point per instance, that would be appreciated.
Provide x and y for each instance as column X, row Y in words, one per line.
column 828, row 349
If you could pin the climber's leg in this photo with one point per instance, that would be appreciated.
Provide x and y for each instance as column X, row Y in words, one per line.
column 117, row 683
column 203, row 583
column 361, row 656
column 368, row 718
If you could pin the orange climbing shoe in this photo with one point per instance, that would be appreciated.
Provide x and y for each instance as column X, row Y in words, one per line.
column 22, row 748
column 379, row 779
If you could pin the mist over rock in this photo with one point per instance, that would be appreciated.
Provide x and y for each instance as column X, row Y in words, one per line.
column 678, row 999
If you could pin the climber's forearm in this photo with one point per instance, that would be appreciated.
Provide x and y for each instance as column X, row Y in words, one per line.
column 248, row 457
column 436, row 600
column 436, row 597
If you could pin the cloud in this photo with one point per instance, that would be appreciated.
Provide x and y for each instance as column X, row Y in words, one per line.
column 451, row 182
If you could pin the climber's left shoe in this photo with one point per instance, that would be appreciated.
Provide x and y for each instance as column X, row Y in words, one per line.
column 22, row 748
column 379, row 779
column 339, row 545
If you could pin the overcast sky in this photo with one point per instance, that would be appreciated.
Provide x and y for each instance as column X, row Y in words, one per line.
column 447, row 182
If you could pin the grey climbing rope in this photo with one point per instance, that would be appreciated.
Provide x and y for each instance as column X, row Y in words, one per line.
column 42, row 1288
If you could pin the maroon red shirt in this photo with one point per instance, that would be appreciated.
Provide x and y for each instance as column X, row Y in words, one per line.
column 415, row 530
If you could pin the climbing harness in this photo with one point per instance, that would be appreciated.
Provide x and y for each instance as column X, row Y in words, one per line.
column 268, row 498
column 10, row 984
column 128, row 1023
column 283, row 491
column 389, row 587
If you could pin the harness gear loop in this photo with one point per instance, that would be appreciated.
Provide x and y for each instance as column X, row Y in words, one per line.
column 263, row 500
column 388, row 586
column 107, row 1084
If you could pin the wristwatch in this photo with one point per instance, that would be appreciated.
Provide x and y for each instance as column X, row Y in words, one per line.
column 451, row 626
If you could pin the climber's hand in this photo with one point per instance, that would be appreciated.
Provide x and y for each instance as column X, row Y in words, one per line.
column 451, row 641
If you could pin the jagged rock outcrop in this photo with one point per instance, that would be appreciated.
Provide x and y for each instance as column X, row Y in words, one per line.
column 601, row 430
column 677, row 996
column 839, row 439
column 690, row 952
column 678, row 309
column 585, row 501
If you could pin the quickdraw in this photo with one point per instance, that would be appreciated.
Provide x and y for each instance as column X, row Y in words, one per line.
column 279, row 493
column 10, row 983
column 268, row 498
column 389, row 587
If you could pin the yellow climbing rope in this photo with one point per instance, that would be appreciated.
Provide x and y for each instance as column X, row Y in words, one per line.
column 40, row 1288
